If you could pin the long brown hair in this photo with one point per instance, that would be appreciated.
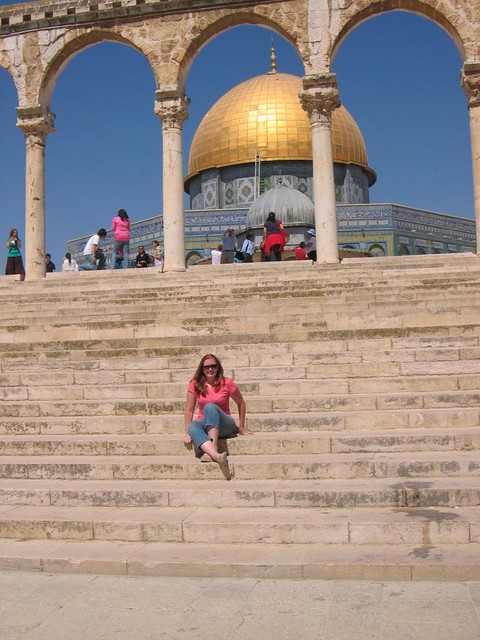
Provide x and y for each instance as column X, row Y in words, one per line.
column 200, row 379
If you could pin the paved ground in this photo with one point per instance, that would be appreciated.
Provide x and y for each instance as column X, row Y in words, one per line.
column 40, row 606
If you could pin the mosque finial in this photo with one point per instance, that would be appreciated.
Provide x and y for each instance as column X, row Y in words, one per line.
column 273, row 59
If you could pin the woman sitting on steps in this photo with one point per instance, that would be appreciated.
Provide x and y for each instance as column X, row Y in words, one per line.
column 211, row 390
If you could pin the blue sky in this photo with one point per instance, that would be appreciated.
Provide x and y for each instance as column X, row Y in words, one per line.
column 398, row 75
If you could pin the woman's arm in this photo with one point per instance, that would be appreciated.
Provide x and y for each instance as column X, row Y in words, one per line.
column 242, row 412
column 190, row 403
column 19, row 244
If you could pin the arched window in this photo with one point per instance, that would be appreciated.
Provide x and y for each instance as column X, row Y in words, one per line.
column 376, row 250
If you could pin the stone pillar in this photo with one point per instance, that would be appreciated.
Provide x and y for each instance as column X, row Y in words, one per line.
column 319, row 98
column 36, row 123
column 171, row 108
column 471, row 86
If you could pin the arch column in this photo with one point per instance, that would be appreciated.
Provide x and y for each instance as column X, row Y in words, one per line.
column 172, row 110
column 471, row 86
column 319, row 98
column 36, row 123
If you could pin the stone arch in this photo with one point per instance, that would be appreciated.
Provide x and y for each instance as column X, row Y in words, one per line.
column 192, row 257
column 75, row 43
column 5, row 64
column 461, row 31
column 295, row 32
column 376, row 250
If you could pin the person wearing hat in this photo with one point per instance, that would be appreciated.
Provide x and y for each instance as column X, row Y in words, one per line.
column 311, row 245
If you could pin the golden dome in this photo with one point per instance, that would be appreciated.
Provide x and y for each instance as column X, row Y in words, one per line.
column 264, row 114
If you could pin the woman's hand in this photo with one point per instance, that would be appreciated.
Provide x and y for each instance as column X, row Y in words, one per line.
column 187, row 439
column 245, row 431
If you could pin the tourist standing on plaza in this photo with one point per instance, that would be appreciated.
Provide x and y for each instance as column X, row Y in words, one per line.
column 312, row 245
column 121, row 241
column 229, row 246
column 274, row 237
column 14, row 258
column 217, row 254
column 93, row 254
column 247, row 248
column 212, row 390
column 69, row 264
column 49, row 265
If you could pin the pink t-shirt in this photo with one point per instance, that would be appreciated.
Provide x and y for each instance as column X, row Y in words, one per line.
column 221, row 398
column 121, row 229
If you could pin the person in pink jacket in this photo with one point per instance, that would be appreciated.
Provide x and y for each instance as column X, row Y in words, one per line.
column 121, row 241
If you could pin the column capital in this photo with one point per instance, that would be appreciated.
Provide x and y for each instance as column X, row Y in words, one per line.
column 35, row 121
column 320, row 97
column 471, row 83
column 172, row 109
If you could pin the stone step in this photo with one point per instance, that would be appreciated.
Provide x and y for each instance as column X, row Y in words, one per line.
column 263, row 443
column 243, row 467
column 211, row 334
column 113, row 314
column 88, row 387
column 319, row 320
column 329, row 374
column 366, row 527
column 183, row 351
column 400, row 418
column 419, row 493
column 341, row 402
column 150, row 342
column 57, row 309
column 337, row 276
column 322, row 359
column 382, row 464
column 316, row 561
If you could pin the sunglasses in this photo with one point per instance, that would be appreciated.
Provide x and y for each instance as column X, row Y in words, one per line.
column 210, row 366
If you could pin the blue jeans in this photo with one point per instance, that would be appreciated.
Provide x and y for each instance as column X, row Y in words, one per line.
column 213, row 416
column 117, row 245
column 90, row 265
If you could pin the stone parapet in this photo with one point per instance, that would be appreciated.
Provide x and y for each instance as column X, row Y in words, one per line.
column 46, row 15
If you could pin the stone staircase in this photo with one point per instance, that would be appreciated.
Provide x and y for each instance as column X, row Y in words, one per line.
column 362, row 388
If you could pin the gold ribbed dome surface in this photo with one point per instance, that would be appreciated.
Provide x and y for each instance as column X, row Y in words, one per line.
column 265, row 114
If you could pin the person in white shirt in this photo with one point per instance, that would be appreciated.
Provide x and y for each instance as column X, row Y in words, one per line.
column 94, row 255
column 69, row 264
column 217, row 254
column 247, row 248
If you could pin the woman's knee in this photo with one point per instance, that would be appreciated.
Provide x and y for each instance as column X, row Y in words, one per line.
column 195, row 428
column 210, row 406
column 211, row 414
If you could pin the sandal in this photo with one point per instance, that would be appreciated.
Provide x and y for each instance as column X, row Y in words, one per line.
column 223, row 463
